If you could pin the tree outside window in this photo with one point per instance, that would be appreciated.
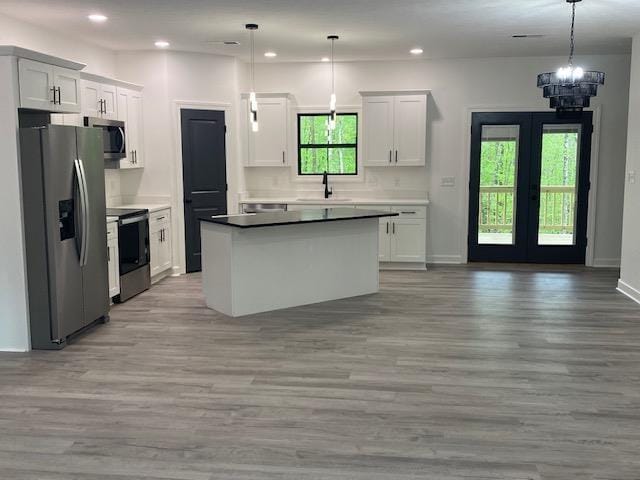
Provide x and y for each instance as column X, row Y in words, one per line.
column 320, row 149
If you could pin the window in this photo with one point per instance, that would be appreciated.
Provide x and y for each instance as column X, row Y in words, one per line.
column 321, row 150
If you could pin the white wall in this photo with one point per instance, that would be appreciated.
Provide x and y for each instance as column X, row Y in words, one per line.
column 456, row 85
column 630, row 266
column 168, row 78
column 14, row 323
column 16, row 32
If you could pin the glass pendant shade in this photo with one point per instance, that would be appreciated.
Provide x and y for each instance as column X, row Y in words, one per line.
column 332, row 101
column 253, row 102
column 570, row 88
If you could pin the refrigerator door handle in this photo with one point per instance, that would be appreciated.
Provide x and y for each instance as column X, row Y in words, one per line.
column 81, row 206
column 86, row 223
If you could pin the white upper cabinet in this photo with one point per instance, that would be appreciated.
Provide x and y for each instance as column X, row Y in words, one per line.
column 67, row 83
column 378, row 130
column 47, row 87
column 91, row 105
column 268, row 146
column 129, row 109
column 99, row 100
column 395, row 128
column 410, row 129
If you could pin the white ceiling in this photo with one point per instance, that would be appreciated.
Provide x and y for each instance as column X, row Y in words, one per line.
column 369, row 29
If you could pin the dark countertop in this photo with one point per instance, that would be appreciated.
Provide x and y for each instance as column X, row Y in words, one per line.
column 296, row 217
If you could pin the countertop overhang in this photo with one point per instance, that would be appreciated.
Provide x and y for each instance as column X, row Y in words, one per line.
column 338, row 202
column 295, row 217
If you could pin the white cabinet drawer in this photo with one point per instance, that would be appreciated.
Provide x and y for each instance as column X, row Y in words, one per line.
column 159, row 218
column 410, row 211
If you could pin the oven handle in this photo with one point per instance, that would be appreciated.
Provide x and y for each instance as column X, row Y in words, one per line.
column 123, row 147
column 128, row 221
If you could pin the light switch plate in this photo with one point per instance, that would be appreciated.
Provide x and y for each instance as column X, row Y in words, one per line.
column 448, row 182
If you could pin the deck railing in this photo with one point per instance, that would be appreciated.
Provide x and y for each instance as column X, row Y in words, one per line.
column 557, row 209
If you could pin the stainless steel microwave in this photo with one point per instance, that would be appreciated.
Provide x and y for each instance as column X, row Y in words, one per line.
column 113, row 137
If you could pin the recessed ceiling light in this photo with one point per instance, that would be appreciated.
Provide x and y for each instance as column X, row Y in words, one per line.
column 97, row 17
column 270, row 54
column 162, row 44
column 325, row 59
column 415, row 51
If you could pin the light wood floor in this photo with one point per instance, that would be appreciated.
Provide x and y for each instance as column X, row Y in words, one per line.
column 456, row 373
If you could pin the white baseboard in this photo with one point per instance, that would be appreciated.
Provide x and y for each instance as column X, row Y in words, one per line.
column 402, row 266
column 606, row 263
column 161, row 275
column 445, row 259
column 13, row 350
column 629, row 291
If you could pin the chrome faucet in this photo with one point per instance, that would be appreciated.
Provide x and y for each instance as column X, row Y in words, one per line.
column 325, row 181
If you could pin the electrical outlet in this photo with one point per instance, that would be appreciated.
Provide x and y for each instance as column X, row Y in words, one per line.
column 632, row 176
column 396, row 181
column 448, row 182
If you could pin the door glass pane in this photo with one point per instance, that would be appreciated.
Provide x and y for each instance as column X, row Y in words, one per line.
column 498, row 173
column 558, row 184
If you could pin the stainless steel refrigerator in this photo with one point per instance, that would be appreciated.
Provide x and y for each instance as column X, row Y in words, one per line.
column 65, row 231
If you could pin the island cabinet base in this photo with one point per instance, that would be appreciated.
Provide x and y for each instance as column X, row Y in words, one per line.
column 247, row 271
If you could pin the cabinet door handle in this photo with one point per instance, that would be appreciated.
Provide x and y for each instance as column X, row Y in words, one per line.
column 59, row 97
column 387, row 228
column 283, row 158
column 409, row 213
column 53, row 89
column 108, row 254
column 389, row 156
column 160, row 218
column 394, row 228
column 396, row 156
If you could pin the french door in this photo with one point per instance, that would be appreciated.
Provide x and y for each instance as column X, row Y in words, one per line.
column 529, row 187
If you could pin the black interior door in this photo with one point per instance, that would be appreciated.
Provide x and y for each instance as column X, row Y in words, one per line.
column 204, row 175
column 529, row 187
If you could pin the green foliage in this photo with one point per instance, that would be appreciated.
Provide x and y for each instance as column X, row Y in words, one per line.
column 323, row 150
column 498, row 169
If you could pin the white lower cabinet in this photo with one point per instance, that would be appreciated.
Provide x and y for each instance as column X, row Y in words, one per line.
column 407, row 241
column 401, row 239
column 112, row 255
column 160, row 241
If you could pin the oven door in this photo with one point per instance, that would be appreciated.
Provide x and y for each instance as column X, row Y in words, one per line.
column 133, row 243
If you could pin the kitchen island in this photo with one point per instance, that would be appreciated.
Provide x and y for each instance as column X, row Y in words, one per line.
column 267, row 261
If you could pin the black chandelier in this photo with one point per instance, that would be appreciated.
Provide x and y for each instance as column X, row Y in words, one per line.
column 570, row 88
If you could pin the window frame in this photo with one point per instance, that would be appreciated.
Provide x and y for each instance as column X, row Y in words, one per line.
column 355, row 146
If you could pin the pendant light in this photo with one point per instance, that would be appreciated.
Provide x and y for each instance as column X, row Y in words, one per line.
column 332, row 101
column 253, row 102
column 570, row 88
